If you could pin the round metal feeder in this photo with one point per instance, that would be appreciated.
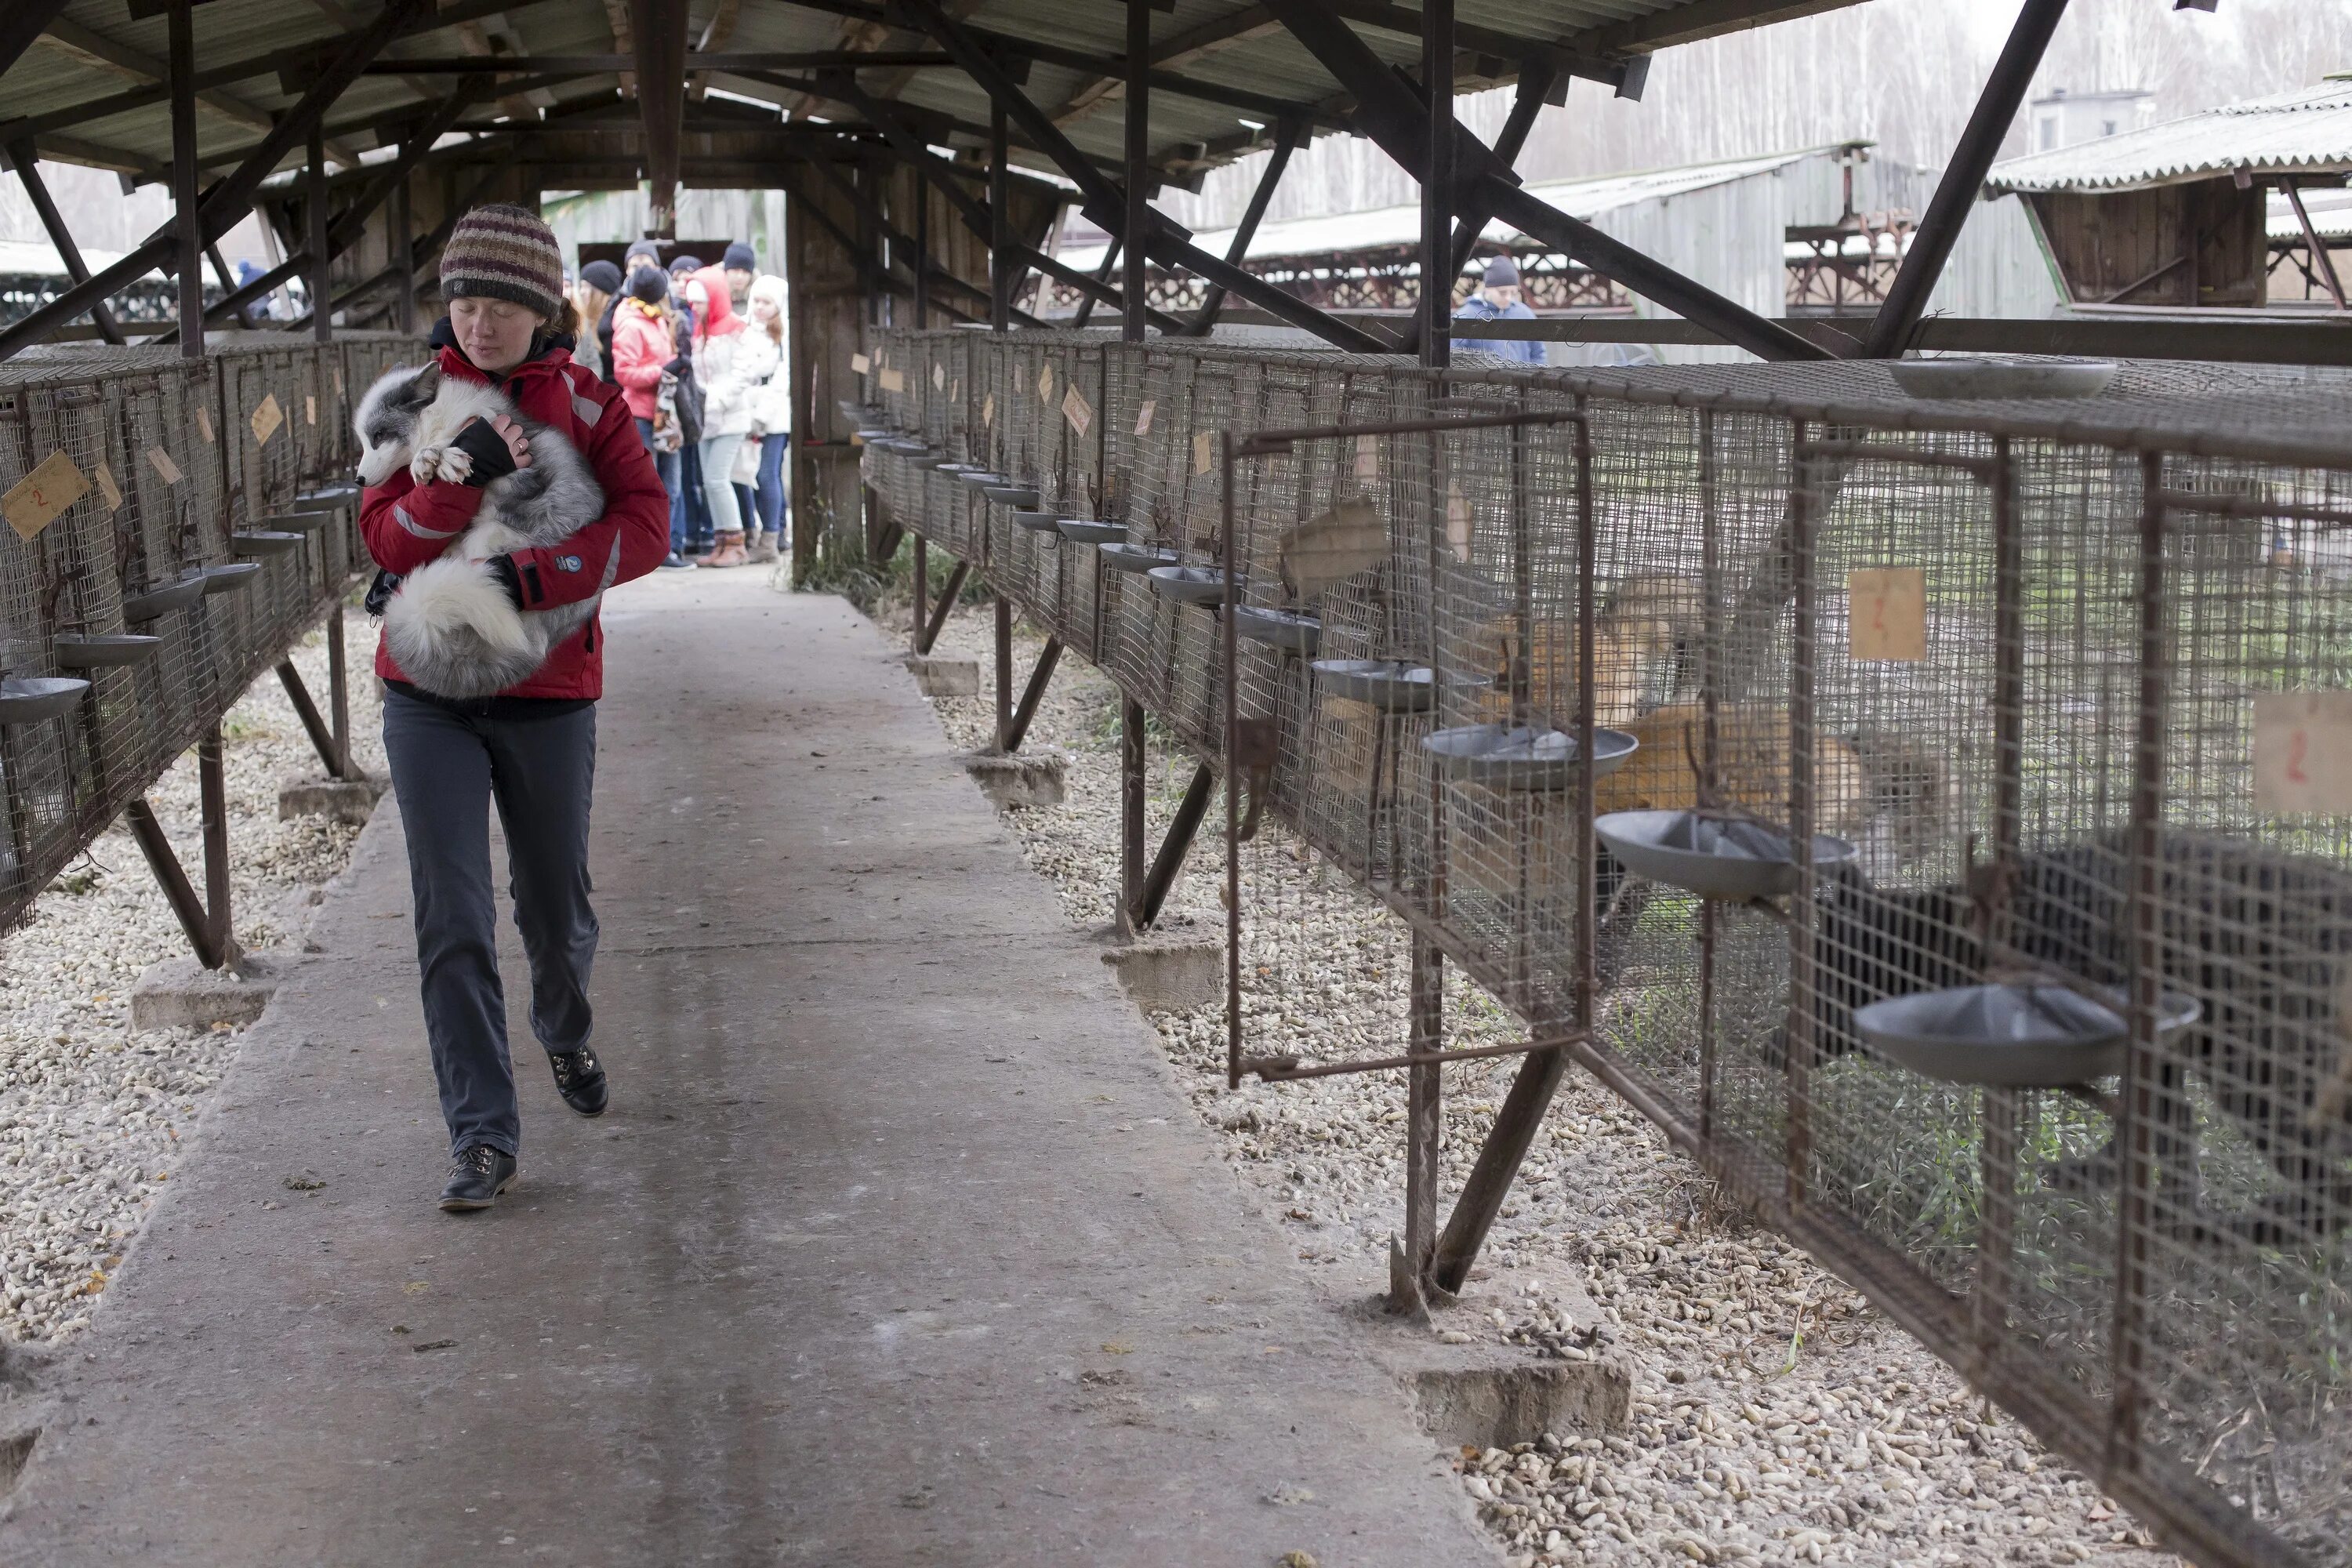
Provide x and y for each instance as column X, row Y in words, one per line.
column 1282, row 629
column 29, row 699
column 261, row 542
column 875, row 436
column 325, row 500
column 2002, row 377
column 956, row 470
column 1020, row 497
column 1136, row 557
column 1087, row 531
column 980, row 479
column 1189, row 585
column 2009, row 1037
column 295, row 521
column 1038, row 522
column 105, row 650
column 1522, row 757
column 157, row 603
column 232, row 578
column 1712, row 857
column 1391, row 685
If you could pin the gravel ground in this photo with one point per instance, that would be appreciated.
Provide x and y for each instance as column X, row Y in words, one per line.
column 1777, row 1417
column 92, row 1114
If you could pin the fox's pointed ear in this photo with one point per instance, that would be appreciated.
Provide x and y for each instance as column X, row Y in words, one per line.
column 427, row 383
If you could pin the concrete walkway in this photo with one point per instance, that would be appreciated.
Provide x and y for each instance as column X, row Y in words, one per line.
column 899, row 1246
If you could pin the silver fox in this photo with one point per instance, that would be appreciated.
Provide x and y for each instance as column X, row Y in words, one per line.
column 450, row 626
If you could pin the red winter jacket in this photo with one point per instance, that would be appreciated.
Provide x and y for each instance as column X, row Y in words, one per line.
column 406, row 524
column 643, row 342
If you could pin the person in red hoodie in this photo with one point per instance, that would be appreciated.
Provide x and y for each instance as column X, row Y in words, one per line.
column 532, row 748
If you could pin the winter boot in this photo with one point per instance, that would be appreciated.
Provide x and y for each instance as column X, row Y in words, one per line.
column 764, row 549
column 729, row 551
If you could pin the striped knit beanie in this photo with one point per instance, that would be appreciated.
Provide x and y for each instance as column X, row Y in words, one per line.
column 501, row 252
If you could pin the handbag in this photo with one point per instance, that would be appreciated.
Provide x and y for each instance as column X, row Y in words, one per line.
column 746, row 469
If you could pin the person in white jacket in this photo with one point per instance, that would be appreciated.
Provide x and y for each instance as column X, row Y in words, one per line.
column 771, row 412
column 730, row 363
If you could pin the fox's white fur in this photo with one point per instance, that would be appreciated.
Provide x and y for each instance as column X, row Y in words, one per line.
column 450, row 626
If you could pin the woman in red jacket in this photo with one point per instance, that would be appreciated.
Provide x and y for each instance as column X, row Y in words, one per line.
column 531, row 747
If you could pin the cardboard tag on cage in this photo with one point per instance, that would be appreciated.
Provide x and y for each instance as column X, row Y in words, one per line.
column 1044, row 384
column 338, row 382
column 860, row 364
column 987, row 409
column 893, row 380
column 1458, row 521
column 1368, row 460
column 2303, row 751
column 309, row 408
column 204, row 423
column 1201, row 444
column 108, row 488
column 1076, row 410
column 1886, row 614
column 266, row 419
column 955, row 392
column 35, row 501
column 161, row 462
column 939, row 378
column 1143, row 415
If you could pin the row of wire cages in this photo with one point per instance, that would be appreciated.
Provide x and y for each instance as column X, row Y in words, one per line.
column 1940, row 830
column 140, row 588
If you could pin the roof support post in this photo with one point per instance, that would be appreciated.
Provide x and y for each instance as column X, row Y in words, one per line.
column 659, row 28
column 923, row 247
column 1386, row 112
column 1436, row 198
column 1106, row 203
column 404, row 254
column 1536, row 80
column 1932, row 241
column 188, row 229
column 22, row 158
column 1285, row 141
column 1086, row 299
column 1139, row 165
column 2323, row 265
column 321, row 279
column 1000, row 225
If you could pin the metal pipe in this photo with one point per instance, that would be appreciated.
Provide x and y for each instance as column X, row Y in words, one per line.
column 321, row 280
column 1940, row 229
column 1000, row 226
column 322, row 738
column 1423, row 1108
column 1436, row 184
column 212, row 787
column 1139, row 165
column 188, row 231
column 195, row 921
column 1040, row 677
column 1130, row 810
column 1003, row 673
column 338, row 686
column 404, row 254
column 922, row 590
column 928, row 635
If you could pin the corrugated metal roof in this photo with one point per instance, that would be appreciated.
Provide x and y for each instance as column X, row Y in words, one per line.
column 2306, row 131
column 1385, row 228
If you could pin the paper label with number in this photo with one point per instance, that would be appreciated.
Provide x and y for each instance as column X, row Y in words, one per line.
column 1143, row 415
column 987, row 409
column 35, row 501
column 108, row 488
column 338, row 384
column 1886, row 614
column 1044, row 384
column 309, row 408
column 204, row 423
column 1458, row 522
column 162, row 461
column 938, row 377
column 2303, row 751
column 266, row 419
column 892, row 380
column 860, row 364
column 1368, row 460
column 1077, row 411
column 1202, row 443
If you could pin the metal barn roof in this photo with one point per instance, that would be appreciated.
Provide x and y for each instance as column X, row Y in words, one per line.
column 2306, row 131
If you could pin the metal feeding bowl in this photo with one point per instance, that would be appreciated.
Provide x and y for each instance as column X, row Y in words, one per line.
column 2002, row 377
column 1189, row 585
column 1136, row 557
column 1709, row 855
column 296, row 522
column 232, row 578
column 1020, row 497
column 1522, row 757
column 265, row 542
column 29, row 699
column 1391, row 685
column 1282, row 629
column 2011, row 1036
column 104, row 650
column 1086, row 531
column 980, row 479
column 326, row 498
column 157, row 602
column 1037, row 521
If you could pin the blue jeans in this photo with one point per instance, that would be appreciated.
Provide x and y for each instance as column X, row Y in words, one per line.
column 774, row 447
column 665, row 465
column 447, row 767
column 699, row 527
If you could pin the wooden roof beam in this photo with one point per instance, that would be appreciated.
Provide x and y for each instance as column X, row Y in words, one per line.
column 659, row 26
